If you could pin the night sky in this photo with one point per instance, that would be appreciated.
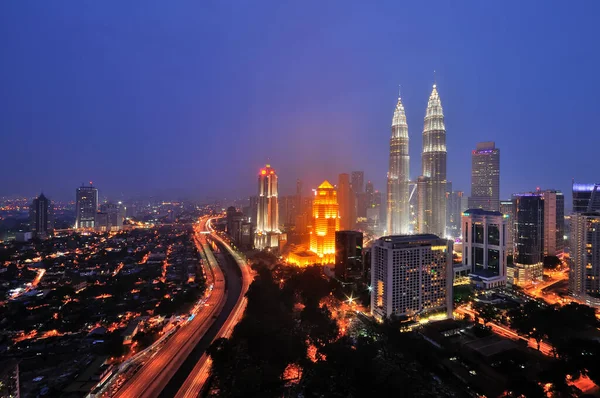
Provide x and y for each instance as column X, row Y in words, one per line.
column 191, row 98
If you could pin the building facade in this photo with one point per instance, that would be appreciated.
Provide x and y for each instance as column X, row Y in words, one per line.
column 398, row 216
column 456, row 204
column 348, row 255
column 554, row 222
column 41, row 215
column 411, row 275
column 267, row 214
column 528, row 257
column 346, row 200
column 86, row 207
column 586, row 197
column 432, row 208
column 584, row 271
column 358, row 181
column 485, row 177
column 326, row 221
column 484, row 247
column 506, row 208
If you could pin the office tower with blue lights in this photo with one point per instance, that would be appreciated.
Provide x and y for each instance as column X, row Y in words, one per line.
column 411, row 275
column 586, row 197
column 431, row 185
column 86, row 205
column 485, row 177
column 398, row 214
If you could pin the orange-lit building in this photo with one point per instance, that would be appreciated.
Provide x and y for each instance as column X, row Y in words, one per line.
column 325, row 221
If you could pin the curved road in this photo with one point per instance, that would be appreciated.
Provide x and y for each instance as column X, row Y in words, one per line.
column 163, row 374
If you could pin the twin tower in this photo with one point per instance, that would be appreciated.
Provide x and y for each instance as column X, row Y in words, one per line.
column 430, row 186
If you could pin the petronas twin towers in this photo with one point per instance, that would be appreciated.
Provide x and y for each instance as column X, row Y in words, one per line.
column 431, row 185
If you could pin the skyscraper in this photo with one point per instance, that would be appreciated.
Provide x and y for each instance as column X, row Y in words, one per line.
column 554, row 222
column 411, row 275
column 326, row 221
column 348, row 255
column 485, row 177
column 398, row 175
column 114, row 213
column 432, row 214
column 528, row 209
column 586, row 197
column 484, row 246
column 455, row 205
column 358, row 181
column 267, row 215
column 346, row 200
column 86, row 206
column 506, row 208
column 584, row 273
column 41, row 215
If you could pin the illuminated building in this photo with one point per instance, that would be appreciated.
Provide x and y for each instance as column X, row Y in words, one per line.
column 86, row 206
column 432, row 184
column 528, row 209
column 586, row 197
column 267, row 214
column 411, row 275
column 554, row 222
column 41, row 215
column 346, row 199
column 484, row 247
column 506, row 208
column 348, row 255
column 398, row 216
column 485, row 177
column 584, row 272
column 326, row 221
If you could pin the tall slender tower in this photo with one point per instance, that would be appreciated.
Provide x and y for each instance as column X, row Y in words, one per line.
column 346, row 203
column 433, row 161
column 398, row 175
column 267, row 214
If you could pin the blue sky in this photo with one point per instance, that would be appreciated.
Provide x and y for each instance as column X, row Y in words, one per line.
column 190, row 98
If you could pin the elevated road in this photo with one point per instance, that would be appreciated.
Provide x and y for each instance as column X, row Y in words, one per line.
column 152, row 378
column 196, row 380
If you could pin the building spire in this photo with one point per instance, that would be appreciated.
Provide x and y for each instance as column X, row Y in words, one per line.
column 434, row 79
column 399, row 87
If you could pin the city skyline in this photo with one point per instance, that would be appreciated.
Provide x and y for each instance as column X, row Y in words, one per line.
column 338, row 102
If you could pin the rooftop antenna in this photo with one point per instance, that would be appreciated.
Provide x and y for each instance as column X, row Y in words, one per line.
column 434, row 79
column 399, row 86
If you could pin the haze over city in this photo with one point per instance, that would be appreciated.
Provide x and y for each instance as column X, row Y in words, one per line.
column 190, row 99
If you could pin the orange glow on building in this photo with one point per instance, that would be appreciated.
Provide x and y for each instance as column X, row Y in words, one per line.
column 326, row 220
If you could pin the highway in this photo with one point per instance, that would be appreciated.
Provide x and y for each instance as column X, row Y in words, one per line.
column 196, row 380
column 155, row 375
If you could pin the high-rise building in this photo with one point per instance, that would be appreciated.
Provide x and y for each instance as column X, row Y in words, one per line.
column 86, row 204
column 348, row 255
column 112, row 216
column 398, row 216
column 586, row 197
column 41, row 213
column 584, row 272
column 433, row 158
column 411, row 275
column 326, row 221
column 358, row 181
column 506, row 208
column 528, row 257
column 413, row 203
column 485, row 177
column 346, row 200
column 267, row 215
column 484, row 246
column 370, row 194
column 455, row 205
column 288, row 210
column 554, row 222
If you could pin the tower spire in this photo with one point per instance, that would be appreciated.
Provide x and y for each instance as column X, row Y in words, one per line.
column 434, row 79
column 399, row 87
